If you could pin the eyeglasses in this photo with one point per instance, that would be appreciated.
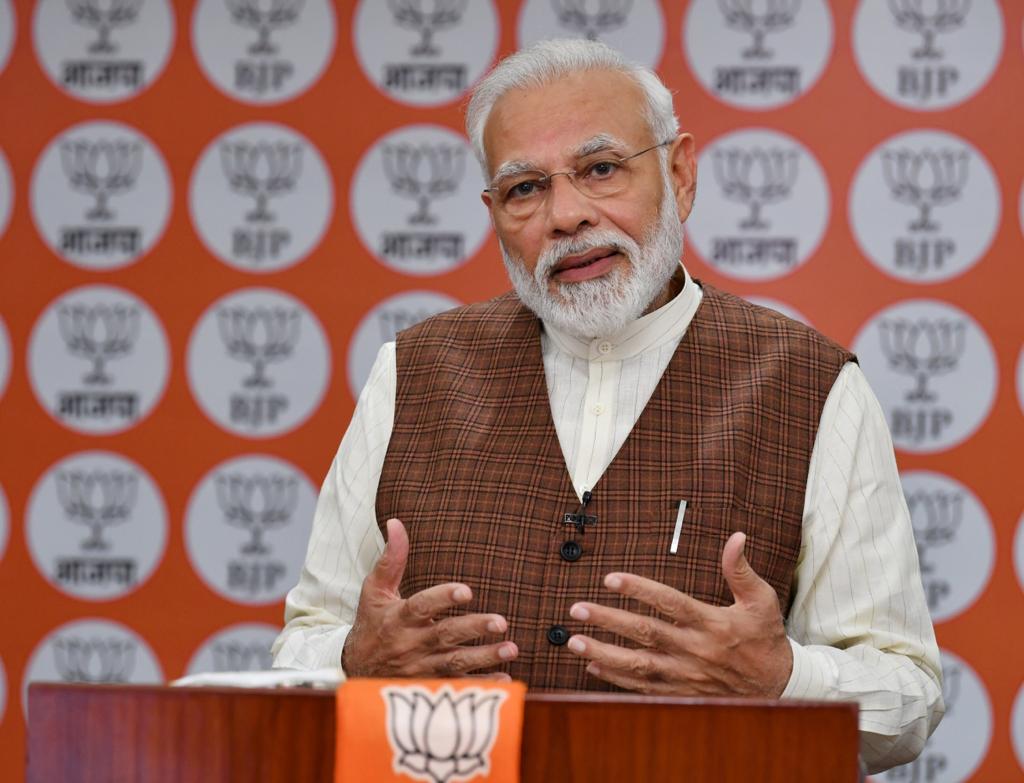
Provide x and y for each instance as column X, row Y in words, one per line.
column 596, row 176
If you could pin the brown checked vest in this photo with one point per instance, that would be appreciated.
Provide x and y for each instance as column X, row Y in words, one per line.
column 475, row 470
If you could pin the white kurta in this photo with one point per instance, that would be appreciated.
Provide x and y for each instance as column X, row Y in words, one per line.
column 858, row 625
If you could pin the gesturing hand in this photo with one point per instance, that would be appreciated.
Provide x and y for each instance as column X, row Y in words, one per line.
column 400, row 637
column 698, row 649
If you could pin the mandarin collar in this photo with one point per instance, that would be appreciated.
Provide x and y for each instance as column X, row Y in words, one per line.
column 666, row 324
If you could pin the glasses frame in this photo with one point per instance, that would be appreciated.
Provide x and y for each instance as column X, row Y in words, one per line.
column 570, row 174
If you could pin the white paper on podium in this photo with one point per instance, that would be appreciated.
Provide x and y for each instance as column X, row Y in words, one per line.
column 274, row 678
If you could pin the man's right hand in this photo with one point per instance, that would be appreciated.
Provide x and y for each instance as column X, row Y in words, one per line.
column 401, row 637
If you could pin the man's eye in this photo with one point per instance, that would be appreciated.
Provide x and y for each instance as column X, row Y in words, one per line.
column 522, row 190
column 603, row 169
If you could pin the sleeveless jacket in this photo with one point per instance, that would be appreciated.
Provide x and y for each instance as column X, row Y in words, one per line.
column 475, row 470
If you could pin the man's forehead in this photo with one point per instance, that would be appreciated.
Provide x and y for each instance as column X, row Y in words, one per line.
column 562, row 117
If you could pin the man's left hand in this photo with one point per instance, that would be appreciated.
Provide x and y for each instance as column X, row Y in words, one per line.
column 697, row 649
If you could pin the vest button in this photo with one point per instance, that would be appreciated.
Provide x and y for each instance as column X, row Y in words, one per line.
column 570, row 550
column 558, row 635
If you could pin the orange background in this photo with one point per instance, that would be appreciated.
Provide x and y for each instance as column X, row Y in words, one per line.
column 840, row 119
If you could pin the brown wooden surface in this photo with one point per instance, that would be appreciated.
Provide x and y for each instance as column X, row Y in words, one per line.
column 110, row 734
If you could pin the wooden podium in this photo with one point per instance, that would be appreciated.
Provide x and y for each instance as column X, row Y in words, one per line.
column 142, row 734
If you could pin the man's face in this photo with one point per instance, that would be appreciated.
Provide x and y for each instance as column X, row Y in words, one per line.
column 573, row 243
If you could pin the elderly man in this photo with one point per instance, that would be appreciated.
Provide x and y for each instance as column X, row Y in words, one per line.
column 617, row 476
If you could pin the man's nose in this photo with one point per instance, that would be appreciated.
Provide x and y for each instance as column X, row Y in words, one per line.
column 568, row 209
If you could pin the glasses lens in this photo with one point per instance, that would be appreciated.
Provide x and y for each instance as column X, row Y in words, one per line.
column 521, row 194
column 602, row 177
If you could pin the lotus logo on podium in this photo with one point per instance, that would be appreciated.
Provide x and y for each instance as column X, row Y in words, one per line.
column 755, row 177
column 101, row 169
column 936, row 516
column 576, row 16
column 94, row 659
column 442, row 737
column 261, row 171
column 256, row 503
column 259, row 336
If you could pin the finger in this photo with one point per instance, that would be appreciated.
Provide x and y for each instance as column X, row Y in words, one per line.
column 461, row 660
column 680, row 607
column 390, row 567
column 743, row 581
column 646, row 631
column 427, row 604
column 453, row 631
column 639, row 664
column 496, row 676
column 630, row 683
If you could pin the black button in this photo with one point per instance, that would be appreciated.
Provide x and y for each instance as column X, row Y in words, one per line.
column 570, row 551
column 558, row 635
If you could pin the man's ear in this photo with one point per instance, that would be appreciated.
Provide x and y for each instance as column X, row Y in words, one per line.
column 682, row 167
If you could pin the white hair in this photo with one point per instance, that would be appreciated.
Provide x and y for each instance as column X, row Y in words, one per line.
column 547, row 61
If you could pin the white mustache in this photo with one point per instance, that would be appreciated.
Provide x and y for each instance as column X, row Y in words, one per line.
column 579, row 244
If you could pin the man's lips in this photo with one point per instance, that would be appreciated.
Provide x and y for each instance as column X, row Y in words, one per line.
column 593, row 263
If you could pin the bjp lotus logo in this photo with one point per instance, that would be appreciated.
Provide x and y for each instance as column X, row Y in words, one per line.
column 442, row 737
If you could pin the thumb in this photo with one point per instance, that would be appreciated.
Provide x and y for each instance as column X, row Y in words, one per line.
column 387, row 573
column 741, row 578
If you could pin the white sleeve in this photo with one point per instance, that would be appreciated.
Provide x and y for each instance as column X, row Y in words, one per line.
column 859, row 624
column 345, row 541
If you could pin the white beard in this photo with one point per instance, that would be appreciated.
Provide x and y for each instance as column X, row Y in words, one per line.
column 607, row 304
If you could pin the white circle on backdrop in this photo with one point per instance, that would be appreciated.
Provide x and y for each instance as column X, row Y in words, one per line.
column 415, row 201
column 243, row 647
column 103, row 51
column 96, row 526
column 263, row 53
column 425, row 54
column 1018, row 552
column 92, row 650
column 8, row 33
column 5, row 522
column 3, row 691
column 6, row 192
column 1017, row 727
column 924, row 206
column 933, row 369
column 247, row 526
column 258, row 362
column 927, row 56
column 757, row 55
column 781, row 307
column 100, row 195
column 960, row 742
column 955, row 541
column 5, row 357
column 261, row 197
column 98, row 359
column 765, row 206
column 382, row 324
column 634, row 27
